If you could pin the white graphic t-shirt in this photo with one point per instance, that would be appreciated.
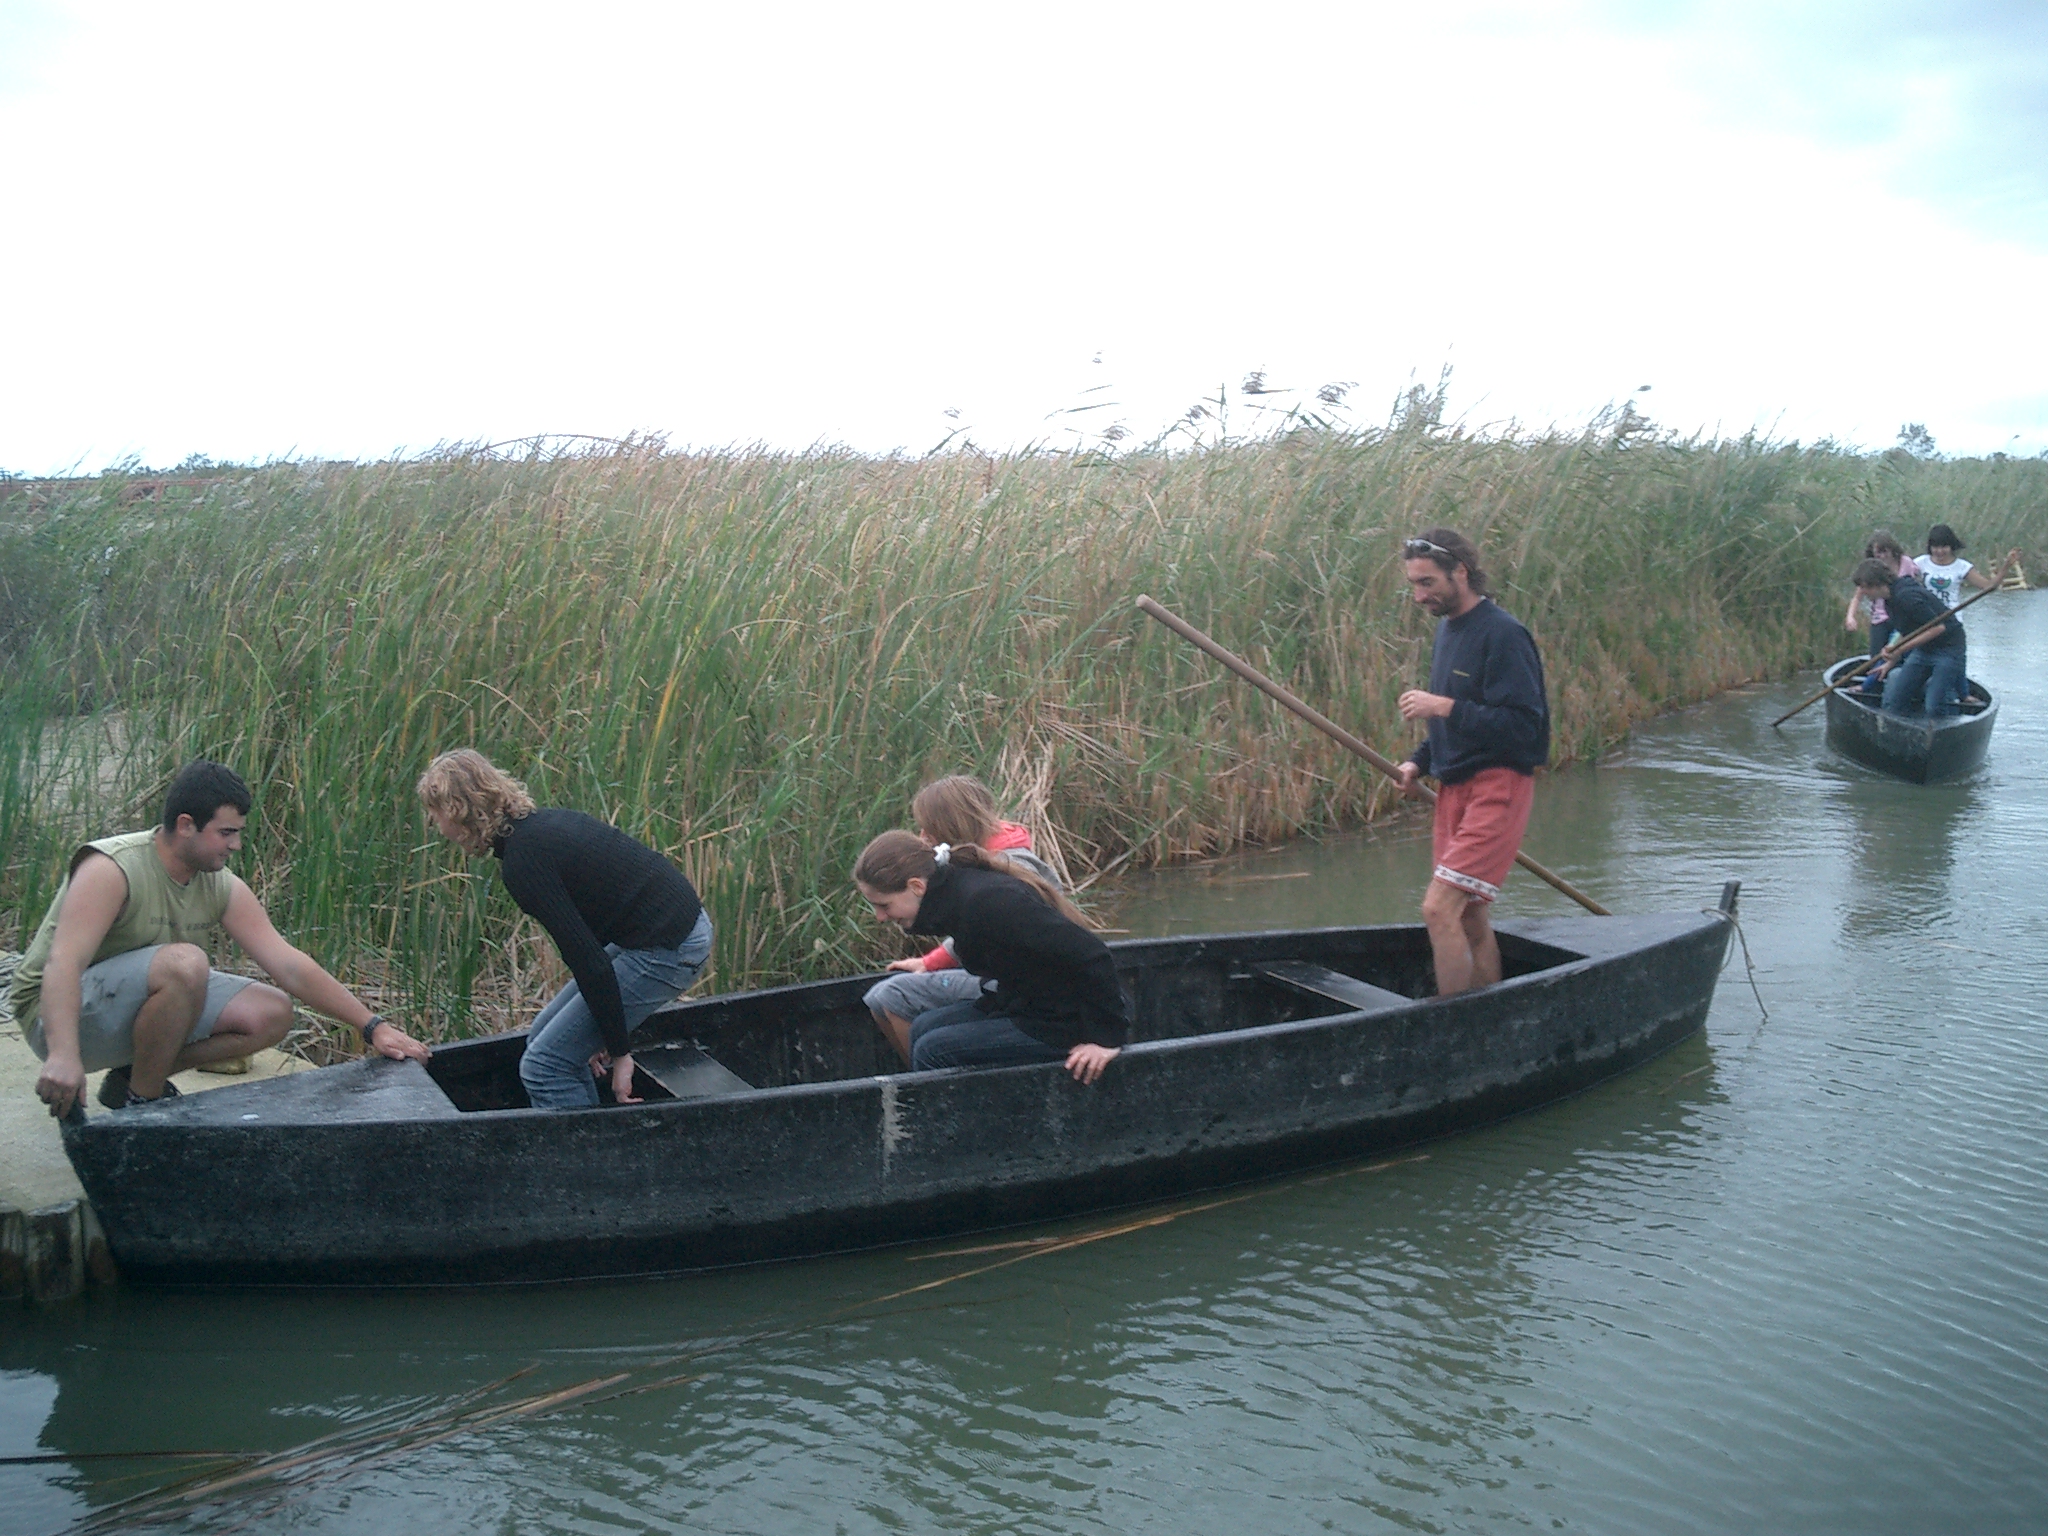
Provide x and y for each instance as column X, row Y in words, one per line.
column 1944, row 581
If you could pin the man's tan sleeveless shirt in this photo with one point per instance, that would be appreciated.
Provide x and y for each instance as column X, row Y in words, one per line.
column 158, row 911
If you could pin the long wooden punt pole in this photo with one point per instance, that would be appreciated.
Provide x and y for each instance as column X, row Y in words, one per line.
column 1336, row 732
column 1997, row 577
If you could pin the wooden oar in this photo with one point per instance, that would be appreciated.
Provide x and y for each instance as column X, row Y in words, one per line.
column 1336, row 732
column 1932, row 624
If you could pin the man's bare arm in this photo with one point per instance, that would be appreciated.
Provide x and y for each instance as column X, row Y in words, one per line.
column 92, row 903
column 303, row 977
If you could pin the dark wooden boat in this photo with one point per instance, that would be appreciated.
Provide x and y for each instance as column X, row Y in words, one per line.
column 1909, row 747
column 777, row 1126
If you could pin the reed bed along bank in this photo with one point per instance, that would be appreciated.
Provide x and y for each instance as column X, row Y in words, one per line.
column 751, row 659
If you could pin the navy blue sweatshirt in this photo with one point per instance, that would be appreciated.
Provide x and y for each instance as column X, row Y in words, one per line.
column 1910, row 605
column 1057, row 980
column 590, row 885
column 1487, row 663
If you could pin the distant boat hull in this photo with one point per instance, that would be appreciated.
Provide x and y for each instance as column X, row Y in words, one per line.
column 794, row 1136
column 1909, row 747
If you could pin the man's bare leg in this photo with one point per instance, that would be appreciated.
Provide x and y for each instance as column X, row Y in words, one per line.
column 896, row 1030
column 1443, row 913
column 1484, row 947
column 256, row 1017
column 177, row 993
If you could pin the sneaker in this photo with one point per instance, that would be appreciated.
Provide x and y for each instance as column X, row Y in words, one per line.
column 114, row 1089
column 170, row 1092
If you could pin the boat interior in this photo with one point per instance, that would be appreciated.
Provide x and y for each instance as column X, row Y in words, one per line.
column 821, row 1032
column 1976, row 698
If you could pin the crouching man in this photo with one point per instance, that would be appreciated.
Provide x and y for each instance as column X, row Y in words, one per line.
column 118, row 976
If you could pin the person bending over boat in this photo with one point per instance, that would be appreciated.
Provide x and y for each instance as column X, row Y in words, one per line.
column 628, row 924
column 118, row 975
column 1924, row 675
column 1881, row 545
column 1945, row 575
column 955, row 810
column 1488, row 725
column 1056, row 994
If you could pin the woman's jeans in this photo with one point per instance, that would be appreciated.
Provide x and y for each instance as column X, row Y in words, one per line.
column 1926, row 674
column 961, row 1035
column 556, row 1066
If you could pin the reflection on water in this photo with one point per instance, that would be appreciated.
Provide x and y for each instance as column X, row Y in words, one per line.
column 1788, row 1277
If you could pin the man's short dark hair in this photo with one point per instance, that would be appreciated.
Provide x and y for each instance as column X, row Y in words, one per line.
column 1446, row 549
column 1875, row 573
column 200, row 789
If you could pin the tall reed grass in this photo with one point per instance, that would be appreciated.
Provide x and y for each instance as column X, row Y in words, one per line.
column 751, row 659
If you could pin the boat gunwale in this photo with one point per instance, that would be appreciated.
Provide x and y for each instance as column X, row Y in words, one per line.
column 1167, row 1047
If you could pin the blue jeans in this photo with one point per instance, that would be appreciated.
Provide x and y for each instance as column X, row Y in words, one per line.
column 1926, row 680
column 961, row 1035
column 556, row 1066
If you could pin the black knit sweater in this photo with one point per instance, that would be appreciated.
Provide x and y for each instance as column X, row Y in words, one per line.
column 1487, row 665
column 590, row 885
column 1056, row 980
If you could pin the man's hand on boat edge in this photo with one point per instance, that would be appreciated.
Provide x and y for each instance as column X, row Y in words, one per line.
column 394, row 1044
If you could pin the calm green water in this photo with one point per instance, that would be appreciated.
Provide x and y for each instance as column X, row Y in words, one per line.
column 1791, row 1278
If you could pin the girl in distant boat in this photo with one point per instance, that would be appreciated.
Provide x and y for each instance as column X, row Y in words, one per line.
column 1945, row 575
column 1056, row 994
column 1881, row 545
column 956, row 810
column 629, row 926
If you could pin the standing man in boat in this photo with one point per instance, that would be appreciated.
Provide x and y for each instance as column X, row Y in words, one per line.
column 1488, row 731
column 118, row 976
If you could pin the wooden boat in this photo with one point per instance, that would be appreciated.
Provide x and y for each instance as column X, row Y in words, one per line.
column 1909, row 747
column 777, row 1124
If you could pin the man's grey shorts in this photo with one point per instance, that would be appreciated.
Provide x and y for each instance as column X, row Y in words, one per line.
column 112, row 993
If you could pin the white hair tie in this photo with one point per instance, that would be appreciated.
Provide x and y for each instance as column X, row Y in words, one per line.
column 942, row 855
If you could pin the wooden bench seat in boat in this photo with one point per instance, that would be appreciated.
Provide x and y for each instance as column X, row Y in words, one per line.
column 687, row 1072
column 1320, row 981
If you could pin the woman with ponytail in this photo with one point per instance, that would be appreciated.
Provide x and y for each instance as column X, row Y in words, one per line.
column 955, row 810
column 1056, row 997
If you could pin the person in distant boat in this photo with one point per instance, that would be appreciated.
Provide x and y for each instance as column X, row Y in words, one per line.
column 1881, row 545
column 1946, row 575
column 118, row 977
column 628, row 924
column 1056, row 995
column 1921, row 674
column 955, row 810
column 1488, row 731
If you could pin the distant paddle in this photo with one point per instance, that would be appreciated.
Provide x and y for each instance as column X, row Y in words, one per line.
column 1932, row 624
column 1336, row 733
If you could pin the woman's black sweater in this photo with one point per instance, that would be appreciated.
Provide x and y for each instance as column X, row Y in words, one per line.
column 1056, row 980
column 590, row 885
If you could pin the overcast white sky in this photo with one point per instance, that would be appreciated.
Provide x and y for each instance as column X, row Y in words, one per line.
column 255, row 231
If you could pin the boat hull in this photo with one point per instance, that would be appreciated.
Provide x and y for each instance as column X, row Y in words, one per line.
column 370, row 1173
column 1913, row 748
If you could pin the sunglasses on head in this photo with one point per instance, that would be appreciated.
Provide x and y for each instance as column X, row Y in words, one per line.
column 1422, row 549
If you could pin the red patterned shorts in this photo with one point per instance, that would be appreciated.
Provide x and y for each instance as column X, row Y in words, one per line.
column 1479, row 827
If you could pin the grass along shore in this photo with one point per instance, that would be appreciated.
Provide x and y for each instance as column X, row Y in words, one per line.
column 751, row 660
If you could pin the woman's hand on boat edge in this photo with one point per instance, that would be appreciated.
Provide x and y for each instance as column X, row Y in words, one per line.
column 1087, row 1061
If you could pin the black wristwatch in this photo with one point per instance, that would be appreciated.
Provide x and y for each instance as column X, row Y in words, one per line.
column 369, row 1026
